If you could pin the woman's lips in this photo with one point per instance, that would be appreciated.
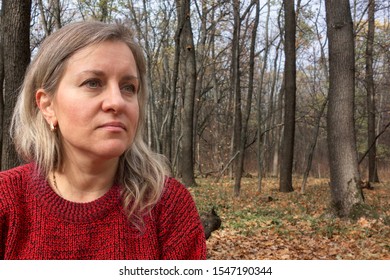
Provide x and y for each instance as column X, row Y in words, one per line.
column 114, row 126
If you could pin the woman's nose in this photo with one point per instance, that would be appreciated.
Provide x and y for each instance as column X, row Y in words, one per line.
column 113, row 99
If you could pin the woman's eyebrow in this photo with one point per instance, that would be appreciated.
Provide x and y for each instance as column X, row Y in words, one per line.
column 130, row 77
column 94, row 72
column 100, row 73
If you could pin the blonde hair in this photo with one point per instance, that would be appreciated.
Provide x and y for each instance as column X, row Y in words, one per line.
column 141, row 172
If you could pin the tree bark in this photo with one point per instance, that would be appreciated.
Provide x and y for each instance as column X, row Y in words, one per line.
column 188, row 82
column 218, row 159
column 236, row 91
column 287, row 153
column 343, row 161
column 1, row 77
column 50, row 15
column 201, row 61
column 175, row 77
column 260, row 137
column 248, row 105
column 16, row 40
column 371, row 107
column 275, row 117
column 43, row 18
column 57, row 13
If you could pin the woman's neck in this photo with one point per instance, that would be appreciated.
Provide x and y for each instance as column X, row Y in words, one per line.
column 84, row 182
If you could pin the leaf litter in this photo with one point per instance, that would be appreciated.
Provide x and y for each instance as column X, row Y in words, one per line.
column 292, row 226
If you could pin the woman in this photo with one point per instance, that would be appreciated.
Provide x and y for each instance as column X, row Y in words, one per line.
column 92, row 189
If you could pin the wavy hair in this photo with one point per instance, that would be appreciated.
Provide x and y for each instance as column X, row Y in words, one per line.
column 141, row 172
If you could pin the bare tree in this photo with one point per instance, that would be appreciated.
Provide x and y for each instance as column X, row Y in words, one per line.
column 188, row 88
column 236, row 92
column 50, row 15
column 101, row 10
column 175, row 77
column 287, row 153
column 44, row 21
column 275, row 116
column 370, row 88
column 260, row 142
column 248, row 105
column 201, row 62
column 343, row 161
column 57, row 13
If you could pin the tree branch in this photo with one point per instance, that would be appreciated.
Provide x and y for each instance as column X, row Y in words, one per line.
column 373, row 143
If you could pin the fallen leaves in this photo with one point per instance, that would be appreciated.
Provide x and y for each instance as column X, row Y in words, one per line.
column 291, row 226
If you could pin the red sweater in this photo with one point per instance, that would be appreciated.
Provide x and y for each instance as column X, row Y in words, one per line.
column 35, row 223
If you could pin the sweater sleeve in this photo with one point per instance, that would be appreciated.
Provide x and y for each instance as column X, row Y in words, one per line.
column 181, row 233
column 2, row 234
column 10, row 182
column 3, row 220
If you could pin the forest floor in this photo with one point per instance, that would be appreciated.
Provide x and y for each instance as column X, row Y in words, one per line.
column 292, row 226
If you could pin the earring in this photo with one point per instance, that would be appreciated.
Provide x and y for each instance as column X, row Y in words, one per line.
column 52, row 127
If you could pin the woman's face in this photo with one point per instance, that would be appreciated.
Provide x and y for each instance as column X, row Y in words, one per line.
column 96, row 104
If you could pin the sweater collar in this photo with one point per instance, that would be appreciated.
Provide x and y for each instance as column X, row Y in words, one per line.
column 73, row 211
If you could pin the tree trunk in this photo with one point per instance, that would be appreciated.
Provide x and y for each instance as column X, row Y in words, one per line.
column 201, row 60
column 50, row 15
column 175, row 77
column 371, row 107
column 217, row 153
column 287, row 154
column 343, row 162
column 57, row 13
column 275, row 117
column 236, row 91
column 1, row 77
column 248, row 105
column 165, row 135
column 16, row 42
column 43, row 18
column 188, row 78
column 260, row 137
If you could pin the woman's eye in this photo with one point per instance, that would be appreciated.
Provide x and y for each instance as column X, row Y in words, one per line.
column 132, row 89
column 92, row 84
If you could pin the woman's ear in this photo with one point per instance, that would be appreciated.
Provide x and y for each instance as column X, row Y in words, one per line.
column 45, row 104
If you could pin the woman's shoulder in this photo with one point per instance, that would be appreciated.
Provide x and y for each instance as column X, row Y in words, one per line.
column 171, row 182
column 176, row 197
column 16, row 174
column 173, row 188
column 12, row 181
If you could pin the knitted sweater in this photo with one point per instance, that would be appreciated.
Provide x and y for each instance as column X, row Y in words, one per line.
column 35, row 223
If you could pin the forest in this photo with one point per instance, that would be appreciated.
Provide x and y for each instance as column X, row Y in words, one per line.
column 277, row 107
